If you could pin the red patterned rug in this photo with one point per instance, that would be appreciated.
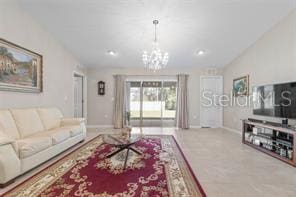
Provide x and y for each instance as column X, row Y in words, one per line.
column 161, row 170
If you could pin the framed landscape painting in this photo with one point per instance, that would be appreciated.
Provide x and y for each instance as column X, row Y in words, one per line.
column 241, row 86
column 20, row 68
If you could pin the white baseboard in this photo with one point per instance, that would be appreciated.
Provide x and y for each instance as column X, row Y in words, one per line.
column 194, row 126
column 111, row 126
column 99, row 126
column 232, row 130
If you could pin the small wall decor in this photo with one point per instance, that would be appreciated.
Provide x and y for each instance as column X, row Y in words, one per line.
column 20, row 68
column 101, row 88
column 241, row 86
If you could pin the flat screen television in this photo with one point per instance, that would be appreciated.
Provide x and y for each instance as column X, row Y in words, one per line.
column 278, row 100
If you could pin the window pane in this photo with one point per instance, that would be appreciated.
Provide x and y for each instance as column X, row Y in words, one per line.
column 152, row 99
column 135, row 102
column 155, row 84
column 169, row 99
column 135, row 84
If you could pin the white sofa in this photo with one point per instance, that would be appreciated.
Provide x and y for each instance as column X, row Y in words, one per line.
column 31, row 136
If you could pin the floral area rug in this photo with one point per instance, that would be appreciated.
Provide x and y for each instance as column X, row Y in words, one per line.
column 161, row 170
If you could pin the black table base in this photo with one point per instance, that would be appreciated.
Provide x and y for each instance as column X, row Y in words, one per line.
column 122, row 147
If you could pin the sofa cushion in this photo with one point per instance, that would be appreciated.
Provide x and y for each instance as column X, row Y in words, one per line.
column 4, row 139
column 74, row 130
column 8, row 125
column 58, row 135
column 27, row 121
column 72, row 121
column 50, row 117
column 33, row 145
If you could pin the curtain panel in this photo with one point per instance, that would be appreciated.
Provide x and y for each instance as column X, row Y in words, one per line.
column 182, row 102
column 119, row 102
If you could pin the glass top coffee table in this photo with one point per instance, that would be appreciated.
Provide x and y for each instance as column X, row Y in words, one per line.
column 123, row 143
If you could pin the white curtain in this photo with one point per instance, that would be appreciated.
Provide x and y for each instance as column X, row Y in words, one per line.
column 182, row 102
column 119, row 102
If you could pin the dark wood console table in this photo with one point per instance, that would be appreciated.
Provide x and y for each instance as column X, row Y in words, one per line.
column 272, row 139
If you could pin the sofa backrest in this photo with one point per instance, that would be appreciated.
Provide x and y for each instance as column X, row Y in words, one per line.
column 50, row 117
column 27, row 121
column 8, row 125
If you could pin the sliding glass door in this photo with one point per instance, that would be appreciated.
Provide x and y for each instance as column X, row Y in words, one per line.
column 169, row 92
column 151, row 103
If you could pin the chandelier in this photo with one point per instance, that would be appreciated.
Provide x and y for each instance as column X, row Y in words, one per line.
column 155, row 60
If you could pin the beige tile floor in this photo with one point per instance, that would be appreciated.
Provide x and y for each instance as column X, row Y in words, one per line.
column 222, row 164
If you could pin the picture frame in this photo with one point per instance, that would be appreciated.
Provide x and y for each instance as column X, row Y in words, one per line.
column 20, row 68
column 241, row 86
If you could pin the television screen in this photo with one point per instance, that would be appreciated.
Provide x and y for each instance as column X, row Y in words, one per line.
column 278, row 100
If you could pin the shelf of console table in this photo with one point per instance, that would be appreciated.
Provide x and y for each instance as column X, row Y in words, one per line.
column 273, row 127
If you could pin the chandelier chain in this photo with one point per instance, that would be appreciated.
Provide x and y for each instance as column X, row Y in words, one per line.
column 155, row 38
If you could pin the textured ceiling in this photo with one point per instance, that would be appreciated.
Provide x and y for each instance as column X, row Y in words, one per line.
column 224, row 28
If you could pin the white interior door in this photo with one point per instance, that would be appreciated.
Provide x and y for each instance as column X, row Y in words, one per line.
column 211, row 112
column 78, row 96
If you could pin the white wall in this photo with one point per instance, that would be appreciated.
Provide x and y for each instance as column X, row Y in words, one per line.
column 58, row 64
column 272, row 59
column 100, row 108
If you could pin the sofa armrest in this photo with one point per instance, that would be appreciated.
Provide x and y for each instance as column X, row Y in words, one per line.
column 72, row 121
column 10, row 164
column 5, row 140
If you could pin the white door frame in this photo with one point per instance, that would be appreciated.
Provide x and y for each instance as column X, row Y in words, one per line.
column 200, row 87
column 84, row 92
